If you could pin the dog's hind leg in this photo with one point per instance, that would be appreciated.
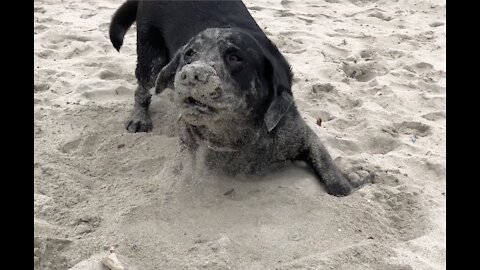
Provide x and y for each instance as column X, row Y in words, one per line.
column 151, row 57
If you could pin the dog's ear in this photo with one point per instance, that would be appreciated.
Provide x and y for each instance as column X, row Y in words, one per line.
column 167, row 75
column 280, row 98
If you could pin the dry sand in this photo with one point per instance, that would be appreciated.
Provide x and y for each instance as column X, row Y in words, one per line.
column 373, row 71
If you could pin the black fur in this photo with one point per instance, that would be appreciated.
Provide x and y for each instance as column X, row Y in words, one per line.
column 121, row 21
column 240, row 111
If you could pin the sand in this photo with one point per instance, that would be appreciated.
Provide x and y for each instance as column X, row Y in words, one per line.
column 373, row 71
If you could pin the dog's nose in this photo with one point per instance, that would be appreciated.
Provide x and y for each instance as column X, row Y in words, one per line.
column 199, row 79
column 194, row 74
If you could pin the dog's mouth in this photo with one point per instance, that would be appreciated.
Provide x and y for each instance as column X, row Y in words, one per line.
column 198, row 105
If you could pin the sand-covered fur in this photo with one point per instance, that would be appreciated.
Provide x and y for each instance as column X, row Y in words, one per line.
column 232, row 86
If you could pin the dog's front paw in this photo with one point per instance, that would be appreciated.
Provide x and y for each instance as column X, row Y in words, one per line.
column 139, row 124
column 346, row 184
column 360, row 177
column 339, row 188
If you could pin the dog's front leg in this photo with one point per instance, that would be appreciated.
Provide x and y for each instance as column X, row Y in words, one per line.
column 336, row 182
column 140, row 120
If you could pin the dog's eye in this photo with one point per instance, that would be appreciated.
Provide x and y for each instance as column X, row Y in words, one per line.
column 234, row 58
column 190, row 52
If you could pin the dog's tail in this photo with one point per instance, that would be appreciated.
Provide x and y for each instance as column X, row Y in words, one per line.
column 121, row 21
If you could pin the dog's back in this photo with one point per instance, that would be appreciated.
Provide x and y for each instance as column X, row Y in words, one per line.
column 178, row 21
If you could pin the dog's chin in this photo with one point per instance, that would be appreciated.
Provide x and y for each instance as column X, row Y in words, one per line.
column 198, row 114
column 217, row 119
column 211, row 113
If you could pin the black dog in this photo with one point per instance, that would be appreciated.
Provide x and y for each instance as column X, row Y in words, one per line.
column 231, row 84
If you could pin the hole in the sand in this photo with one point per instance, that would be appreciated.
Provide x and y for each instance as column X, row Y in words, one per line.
column 435, row 116
column 415, row 128
column 363, row 72
column 367, row 54
column 436, row 24
column 366, row 76
column 322, row 88
column 379, row 143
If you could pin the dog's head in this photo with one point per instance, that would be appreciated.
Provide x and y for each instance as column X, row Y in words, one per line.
column 228, row 75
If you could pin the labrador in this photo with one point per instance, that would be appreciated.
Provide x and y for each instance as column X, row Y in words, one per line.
column 231, row 84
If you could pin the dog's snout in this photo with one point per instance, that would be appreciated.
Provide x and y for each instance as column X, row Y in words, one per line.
column 200, row 80
column 194, row 74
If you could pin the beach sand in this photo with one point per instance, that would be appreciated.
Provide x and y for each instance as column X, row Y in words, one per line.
column 373, row 71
